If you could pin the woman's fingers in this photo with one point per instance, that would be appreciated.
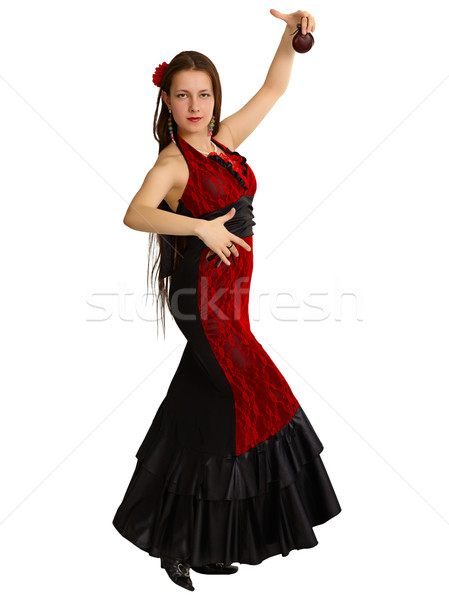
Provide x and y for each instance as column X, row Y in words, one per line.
column 304, row 23
column 225, row 257
column 309, row 25
column 221, row 257
column 230, row 251
column 300, row 17
column 240, row 242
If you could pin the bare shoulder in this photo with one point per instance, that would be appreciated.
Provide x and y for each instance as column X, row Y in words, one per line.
column 171, row 160
column 168, row 156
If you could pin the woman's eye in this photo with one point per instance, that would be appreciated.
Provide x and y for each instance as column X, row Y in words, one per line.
column 203, row 94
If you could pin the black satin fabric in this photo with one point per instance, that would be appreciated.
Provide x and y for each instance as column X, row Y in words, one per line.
column 167, row 248
column 275, row 462
column 240, row 224
column 210, row 508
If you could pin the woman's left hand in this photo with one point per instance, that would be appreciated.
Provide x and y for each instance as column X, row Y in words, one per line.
column 293, row 19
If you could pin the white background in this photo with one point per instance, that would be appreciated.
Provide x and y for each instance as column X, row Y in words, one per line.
column 351, row 224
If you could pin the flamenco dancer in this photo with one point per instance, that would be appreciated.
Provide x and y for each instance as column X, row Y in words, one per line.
column 230, row 468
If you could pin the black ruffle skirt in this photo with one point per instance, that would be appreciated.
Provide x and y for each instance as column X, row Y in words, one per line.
column 208, row 508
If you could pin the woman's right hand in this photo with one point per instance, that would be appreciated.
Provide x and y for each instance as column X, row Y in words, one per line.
column 216, row 237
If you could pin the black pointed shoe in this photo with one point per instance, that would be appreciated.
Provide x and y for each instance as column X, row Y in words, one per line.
column 178, row 571
column 216, row 569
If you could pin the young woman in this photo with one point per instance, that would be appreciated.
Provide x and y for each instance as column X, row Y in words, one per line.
column 230, row 469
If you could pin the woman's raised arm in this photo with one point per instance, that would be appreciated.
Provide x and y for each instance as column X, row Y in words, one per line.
column 243, row 122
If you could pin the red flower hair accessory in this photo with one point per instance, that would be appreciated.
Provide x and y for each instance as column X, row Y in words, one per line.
column 158, row 73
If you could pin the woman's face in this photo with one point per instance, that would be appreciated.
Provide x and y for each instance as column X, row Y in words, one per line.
column 191, row 95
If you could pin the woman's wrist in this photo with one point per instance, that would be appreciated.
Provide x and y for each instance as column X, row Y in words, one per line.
column 290, row 29
column 198, row 226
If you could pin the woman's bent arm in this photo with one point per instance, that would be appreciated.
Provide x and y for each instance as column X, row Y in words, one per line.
column 156, row 220
column 143, row 214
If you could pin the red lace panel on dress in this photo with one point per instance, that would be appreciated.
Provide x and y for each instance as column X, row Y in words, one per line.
column 214, row 181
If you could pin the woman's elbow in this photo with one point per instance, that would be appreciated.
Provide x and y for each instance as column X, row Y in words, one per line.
column 127, row 220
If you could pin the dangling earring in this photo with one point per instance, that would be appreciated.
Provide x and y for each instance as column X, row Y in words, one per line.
column 211, row 126
column 170, row 126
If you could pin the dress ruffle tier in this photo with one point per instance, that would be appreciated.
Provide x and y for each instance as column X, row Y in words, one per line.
column 207, row 508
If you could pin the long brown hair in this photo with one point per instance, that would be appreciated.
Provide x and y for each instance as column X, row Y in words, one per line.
column 186, row 60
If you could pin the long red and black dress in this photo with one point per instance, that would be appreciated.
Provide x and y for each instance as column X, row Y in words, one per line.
column 230, row 468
